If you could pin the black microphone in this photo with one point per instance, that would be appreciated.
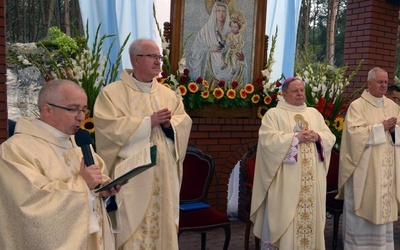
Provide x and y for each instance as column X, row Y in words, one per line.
column 83, row 140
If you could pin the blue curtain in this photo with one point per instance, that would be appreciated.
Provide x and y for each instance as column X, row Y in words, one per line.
column 283, row 14
column 118, row 17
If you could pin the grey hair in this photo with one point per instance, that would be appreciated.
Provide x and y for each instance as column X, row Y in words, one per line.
column 50, row 92
column 372, row 73
column 136, row 47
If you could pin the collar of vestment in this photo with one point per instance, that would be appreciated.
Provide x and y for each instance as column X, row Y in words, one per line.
column 287, row 106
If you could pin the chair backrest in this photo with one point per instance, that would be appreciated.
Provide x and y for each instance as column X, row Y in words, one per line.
column 333, row 173
column 198, row 171
column 248, row 165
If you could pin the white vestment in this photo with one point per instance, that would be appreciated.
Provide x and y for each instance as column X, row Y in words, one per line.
column 368, row 176
column 149, row 203
column 288, row 201
column 45, row 203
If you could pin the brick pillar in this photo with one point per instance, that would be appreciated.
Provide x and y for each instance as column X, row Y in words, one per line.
column 3, row 71
column 371, row 34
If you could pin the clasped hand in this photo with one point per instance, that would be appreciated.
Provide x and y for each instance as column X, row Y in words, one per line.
column 306, row 136
column 161, row 117
column 390, row 124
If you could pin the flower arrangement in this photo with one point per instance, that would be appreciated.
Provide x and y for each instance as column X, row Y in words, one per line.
column 197, row 93
column 64, row 57
column 325, row 86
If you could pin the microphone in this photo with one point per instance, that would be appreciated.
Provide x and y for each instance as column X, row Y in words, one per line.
column 83, row 140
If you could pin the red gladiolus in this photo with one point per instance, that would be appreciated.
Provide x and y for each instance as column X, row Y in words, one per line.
column 186, row 72
column 235, row 84
column 164, row 74
column 278, row 84
column 199, row 80
column 274, row 96
column 221, row 83
column 261, row 88
column 259, row 80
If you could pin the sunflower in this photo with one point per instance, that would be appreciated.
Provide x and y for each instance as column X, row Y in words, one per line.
column 182, row 89
column 206, row 84
column 338, row 124
column 231, row 93
column 218, row 93
column 327, row 122
column 193, row 87
column 267, row 99
column 205, row 94
column 160, row 80
column 88, row 124
column 243, row 94
column 261, row 111
column 255, row 98
column 249, row 88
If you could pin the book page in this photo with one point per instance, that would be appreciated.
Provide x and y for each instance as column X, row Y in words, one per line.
column 140, row 158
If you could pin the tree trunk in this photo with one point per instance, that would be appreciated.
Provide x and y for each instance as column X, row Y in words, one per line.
column 67, row 18
column 50, row 16
column 331, row 30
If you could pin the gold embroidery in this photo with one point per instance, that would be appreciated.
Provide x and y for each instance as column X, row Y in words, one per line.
column 387, row 183
column 305, row 211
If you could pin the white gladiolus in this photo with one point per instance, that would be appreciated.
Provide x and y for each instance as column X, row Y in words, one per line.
column 265, row 73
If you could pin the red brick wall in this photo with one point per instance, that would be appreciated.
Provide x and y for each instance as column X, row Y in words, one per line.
column 226, row 140
column 3, row 71
column 371, row 34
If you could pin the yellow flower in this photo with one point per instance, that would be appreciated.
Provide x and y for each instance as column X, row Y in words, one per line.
column 218, row 93
column 243, row 94
column 88, row 124
column 167, row 85
column 231, row 93
column 249, row 88
column 267, row 99
column 160, row 80
column 261, row 111
column 327, row 123
column 206, row 84
column 182, row 89
column 193, row 87
column 205, row 94
column 255, row 98
column 338, row 124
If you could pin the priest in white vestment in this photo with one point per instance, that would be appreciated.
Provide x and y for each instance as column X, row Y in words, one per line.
column 293, row 155
column 47, row 199
column 137, row 112
column 369, row 172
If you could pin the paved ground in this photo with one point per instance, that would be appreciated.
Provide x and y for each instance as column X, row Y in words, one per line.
column 215, row 238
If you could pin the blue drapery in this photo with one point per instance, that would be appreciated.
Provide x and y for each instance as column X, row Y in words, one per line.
column 118, row 17
column 283, row 14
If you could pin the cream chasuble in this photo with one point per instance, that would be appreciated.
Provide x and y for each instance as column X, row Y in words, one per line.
column 288, row 202
column 48, row 204
column 369, row 156
column 149, row 203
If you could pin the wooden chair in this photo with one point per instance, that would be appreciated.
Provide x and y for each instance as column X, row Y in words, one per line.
column 247, row 168
column 334, row 208
column 198, row 172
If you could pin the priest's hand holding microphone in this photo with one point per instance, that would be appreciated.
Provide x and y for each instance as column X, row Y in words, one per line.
column 89, row 171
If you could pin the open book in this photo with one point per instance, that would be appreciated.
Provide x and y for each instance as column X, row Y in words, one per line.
column 132, row 166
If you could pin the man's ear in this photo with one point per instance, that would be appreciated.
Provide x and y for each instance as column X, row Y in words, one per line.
column 45, row 109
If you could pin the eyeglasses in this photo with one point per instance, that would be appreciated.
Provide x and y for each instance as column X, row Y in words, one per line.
column 154, row 57
column 73, row 111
